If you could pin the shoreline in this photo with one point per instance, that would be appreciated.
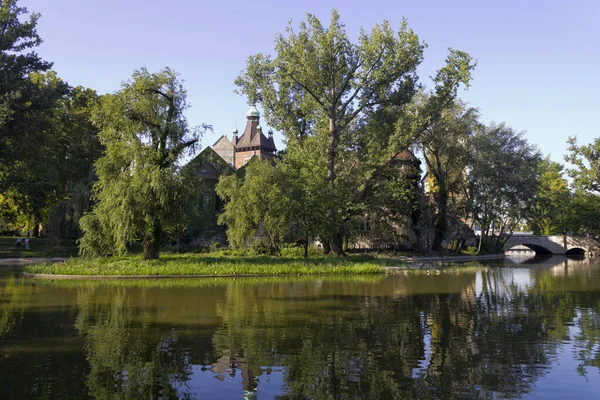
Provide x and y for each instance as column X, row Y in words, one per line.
column 412, row 263
column 419, row 259
column 21, row 261
column 98, row 277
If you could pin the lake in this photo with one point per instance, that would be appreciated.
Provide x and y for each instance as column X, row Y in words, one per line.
column 520, row 328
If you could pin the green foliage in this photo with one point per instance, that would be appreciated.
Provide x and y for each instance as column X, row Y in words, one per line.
column 254, row 204
column 321, row 84
column 47, row 143
column 550, row 215
column 258, row 248
column 139, row 192
column 214, row 247
column 25, row 108
column 586, row 159
column 471, row 250
column 38, row 247
column 203, row 202
column 583, row 213
column 445, row 145
column 292, row 250
column 503, row 181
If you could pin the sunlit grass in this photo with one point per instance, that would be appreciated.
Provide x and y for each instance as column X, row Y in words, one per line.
column 215, row 264
column 209, row 281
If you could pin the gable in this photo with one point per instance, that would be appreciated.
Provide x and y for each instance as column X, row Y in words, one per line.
column 223, row 144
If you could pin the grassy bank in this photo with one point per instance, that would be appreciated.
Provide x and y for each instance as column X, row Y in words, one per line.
column 182, row 283
column 214, row 264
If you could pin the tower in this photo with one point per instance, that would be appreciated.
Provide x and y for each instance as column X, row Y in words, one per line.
column 253, row 142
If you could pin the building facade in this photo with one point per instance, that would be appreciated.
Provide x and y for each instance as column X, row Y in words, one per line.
column 253, row 143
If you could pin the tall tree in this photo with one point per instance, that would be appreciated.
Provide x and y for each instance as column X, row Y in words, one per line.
column 586, row 159
column 320, row 83
column 25, row 104
column 75, row 147
column 503, row 181
column 445, row 148
column 138, row 194
column 550, row 215
column 583, row 213
column 586, row 182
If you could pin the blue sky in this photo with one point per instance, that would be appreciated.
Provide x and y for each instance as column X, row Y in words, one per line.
column 537, row 60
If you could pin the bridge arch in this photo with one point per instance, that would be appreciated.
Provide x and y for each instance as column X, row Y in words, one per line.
column 559, row 244
column 539, row 250
column 575, row 251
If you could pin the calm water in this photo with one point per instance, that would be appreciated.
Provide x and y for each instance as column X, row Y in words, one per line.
column 528, row 330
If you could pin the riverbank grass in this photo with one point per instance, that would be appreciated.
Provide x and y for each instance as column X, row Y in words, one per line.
column 214, row 264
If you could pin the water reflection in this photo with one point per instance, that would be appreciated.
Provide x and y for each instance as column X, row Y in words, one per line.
column 483, row 331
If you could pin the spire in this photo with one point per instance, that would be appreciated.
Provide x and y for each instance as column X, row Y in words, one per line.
column 253, row 112
column 235, row 134
column 253, row 138
column 259, row 130
column 270, row 133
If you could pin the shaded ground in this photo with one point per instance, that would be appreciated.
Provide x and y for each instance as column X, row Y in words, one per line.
column 38, row 247
column 17, row 262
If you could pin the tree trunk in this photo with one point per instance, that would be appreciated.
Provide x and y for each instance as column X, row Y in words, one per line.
column 334, row 231
column 441, row 221
column 326, row 247
column 151, row 242
column 306, row 248
column 337, row 247
column 481, row 238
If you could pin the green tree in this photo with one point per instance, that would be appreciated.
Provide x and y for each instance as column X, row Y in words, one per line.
column 445, row 147
column 585, row 210
column 322, row 84
column 586, row 159
column 75, row 148
column 503, row 181
column 20, row 98
column 139, row 192
column 583, row 215
column 35, row 176
column 550, row 215
column 303, row 185
column 26, row 103
column 254, row 202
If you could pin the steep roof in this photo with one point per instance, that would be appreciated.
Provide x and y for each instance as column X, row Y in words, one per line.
column 208, row 171
column 224, row 139
column 253, row 136
column 207, row 165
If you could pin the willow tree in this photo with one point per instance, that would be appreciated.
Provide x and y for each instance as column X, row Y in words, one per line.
column 321, row 83
column 139, row 193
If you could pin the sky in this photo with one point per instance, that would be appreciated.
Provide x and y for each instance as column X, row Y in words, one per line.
column 537, row 60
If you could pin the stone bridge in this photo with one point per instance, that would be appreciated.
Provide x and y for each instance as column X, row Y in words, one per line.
column 569, row 245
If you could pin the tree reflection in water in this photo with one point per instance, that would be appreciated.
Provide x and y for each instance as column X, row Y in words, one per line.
column 471, row 333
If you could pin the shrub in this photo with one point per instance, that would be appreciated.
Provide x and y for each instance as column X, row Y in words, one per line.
column 258, row 247
column 292, row 250
column 471, row 250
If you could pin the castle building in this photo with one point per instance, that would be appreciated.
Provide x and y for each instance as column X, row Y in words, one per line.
column 253, row 143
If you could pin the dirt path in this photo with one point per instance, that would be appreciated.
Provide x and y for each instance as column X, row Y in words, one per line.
column 17, row 262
